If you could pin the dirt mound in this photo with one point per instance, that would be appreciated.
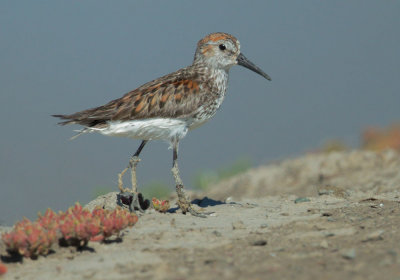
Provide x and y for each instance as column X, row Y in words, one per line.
column 308, row 175
column 322, row 216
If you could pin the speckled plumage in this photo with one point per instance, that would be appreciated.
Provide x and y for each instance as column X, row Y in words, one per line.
column 168, row 107
column 186, row 98
column 191, row 95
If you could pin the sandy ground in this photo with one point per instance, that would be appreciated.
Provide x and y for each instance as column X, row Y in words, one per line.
column 334, row 216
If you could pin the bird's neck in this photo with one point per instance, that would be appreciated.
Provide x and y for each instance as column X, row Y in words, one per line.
column 219, row 78
column 215, row 78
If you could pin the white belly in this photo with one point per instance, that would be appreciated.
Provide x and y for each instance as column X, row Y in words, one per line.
column 149, row 129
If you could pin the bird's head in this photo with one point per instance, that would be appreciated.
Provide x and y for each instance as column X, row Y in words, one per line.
column 222, row 51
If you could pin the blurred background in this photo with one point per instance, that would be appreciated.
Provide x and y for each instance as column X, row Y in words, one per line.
column 334, row 65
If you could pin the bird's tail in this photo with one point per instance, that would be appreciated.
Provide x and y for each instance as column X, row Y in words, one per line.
column 90, row 125
column 67, row 119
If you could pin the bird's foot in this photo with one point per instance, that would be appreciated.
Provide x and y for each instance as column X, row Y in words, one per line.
column 135, row 201
column 185, row 205
column 188, row 207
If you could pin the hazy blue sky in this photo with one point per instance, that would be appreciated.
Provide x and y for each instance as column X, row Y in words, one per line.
column 335, row 68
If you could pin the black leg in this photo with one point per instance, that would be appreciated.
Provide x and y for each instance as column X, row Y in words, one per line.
column 140, row 148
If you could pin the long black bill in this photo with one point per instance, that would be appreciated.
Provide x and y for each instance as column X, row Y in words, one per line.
column 243, row 61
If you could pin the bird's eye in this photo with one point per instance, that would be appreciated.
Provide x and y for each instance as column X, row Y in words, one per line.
column 222, row 47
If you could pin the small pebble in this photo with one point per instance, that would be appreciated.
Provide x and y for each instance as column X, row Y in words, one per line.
column 349, row 254
column 326, row 214
column 209, row 261
column 259, row 243
column 374, row 236
column 324, row 244
column 238, row 225
column 325, row 192
column 333, row 190
column 217, row 233
column 264, row 226
column 301, row 199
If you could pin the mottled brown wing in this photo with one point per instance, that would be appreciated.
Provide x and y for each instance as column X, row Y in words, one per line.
column 176, row 95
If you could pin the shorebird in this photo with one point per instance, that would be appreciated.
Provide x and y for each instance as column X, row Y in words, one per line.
column 168, row 107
